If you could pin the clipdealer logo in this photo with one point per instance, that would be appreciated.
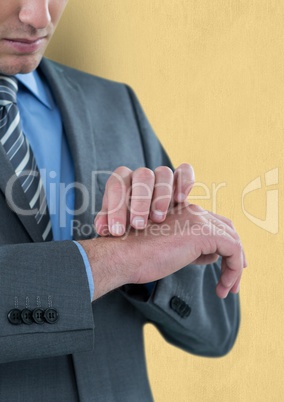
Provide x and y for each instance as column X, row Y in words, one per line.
column 265, row 190
column 268, row 181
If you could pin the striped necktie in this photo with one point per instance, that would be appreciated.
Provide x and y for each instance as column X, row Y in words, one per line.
column 21, row 156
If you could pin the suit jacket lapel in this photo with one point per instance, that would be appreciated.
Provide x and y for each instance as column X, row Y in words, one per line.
column 79, row 131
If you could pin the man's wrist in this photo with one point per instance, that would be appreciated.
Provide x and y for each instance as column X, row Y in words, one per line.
column 107, row 265
column 88, row 269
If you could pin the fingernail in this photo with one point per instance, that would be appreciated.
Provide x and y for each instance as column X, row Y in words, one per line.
column 158, row 215
column 181, row 197
column 117, row 229
column 238, row 288
column 138, row 222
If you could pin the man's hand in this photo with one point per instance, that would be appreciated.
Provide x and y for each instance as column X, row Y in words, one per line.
column 134, row 197
column 180, row 234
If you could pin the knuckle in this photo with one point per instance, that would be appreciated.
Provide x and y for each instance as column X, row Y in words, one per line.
column 185, row 174
column 118, row 179
column 185, row 167
column 164, row 171
column 122, row 171
column 143, row 174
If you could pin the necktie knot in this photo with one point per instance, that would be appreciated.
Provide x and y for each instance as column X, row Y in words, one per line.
column 8, row 90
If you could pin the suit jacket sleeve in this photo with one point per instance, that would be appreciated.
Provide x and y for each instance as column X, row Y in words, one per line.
column 184, row 305
column 44, row 275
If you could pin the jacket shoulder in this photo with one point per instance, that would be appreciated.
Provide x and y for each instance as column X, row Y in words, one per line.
column 85, row 80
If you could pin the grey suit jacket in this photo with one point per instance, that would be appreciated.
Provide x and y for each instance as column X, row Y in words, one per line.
column 95, row 352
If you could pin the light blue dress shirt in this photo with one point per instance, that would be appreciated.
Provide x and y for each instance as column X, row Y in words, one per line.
column 42, row 124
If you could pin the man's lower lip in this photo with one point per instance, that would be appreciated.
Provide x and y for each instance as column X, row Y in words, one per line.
column 24, row 47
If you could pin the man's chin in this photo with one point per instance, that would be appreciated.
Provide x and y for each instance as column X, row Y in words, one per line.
column 20, row 65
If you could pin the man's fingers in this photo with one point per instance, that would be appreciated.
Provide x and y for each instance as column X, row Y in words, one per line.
column 206, row 259
column 226, row 225
column 143, row 181
column 133, row 197
column 220, row 238
column 222, row 291
column 101, row 224
column 230, row 224
column 118, row 189
column 162, row 193
column 236, row 288
column 223, row 240
column 101, row 220
column 214, row 223
column 150, row 195
column 184, row 179
column 232, row 267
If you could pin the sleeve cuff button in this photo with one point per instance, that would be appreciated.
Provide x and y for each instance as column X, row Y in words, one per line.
column 51, row 315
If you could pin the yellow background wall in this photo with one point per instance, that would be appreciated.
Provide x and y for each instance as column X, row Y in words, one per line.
column 210, row 75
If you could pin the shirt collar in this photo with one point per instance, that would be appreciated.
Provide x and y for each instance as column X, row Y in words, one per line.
column 33, row 82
